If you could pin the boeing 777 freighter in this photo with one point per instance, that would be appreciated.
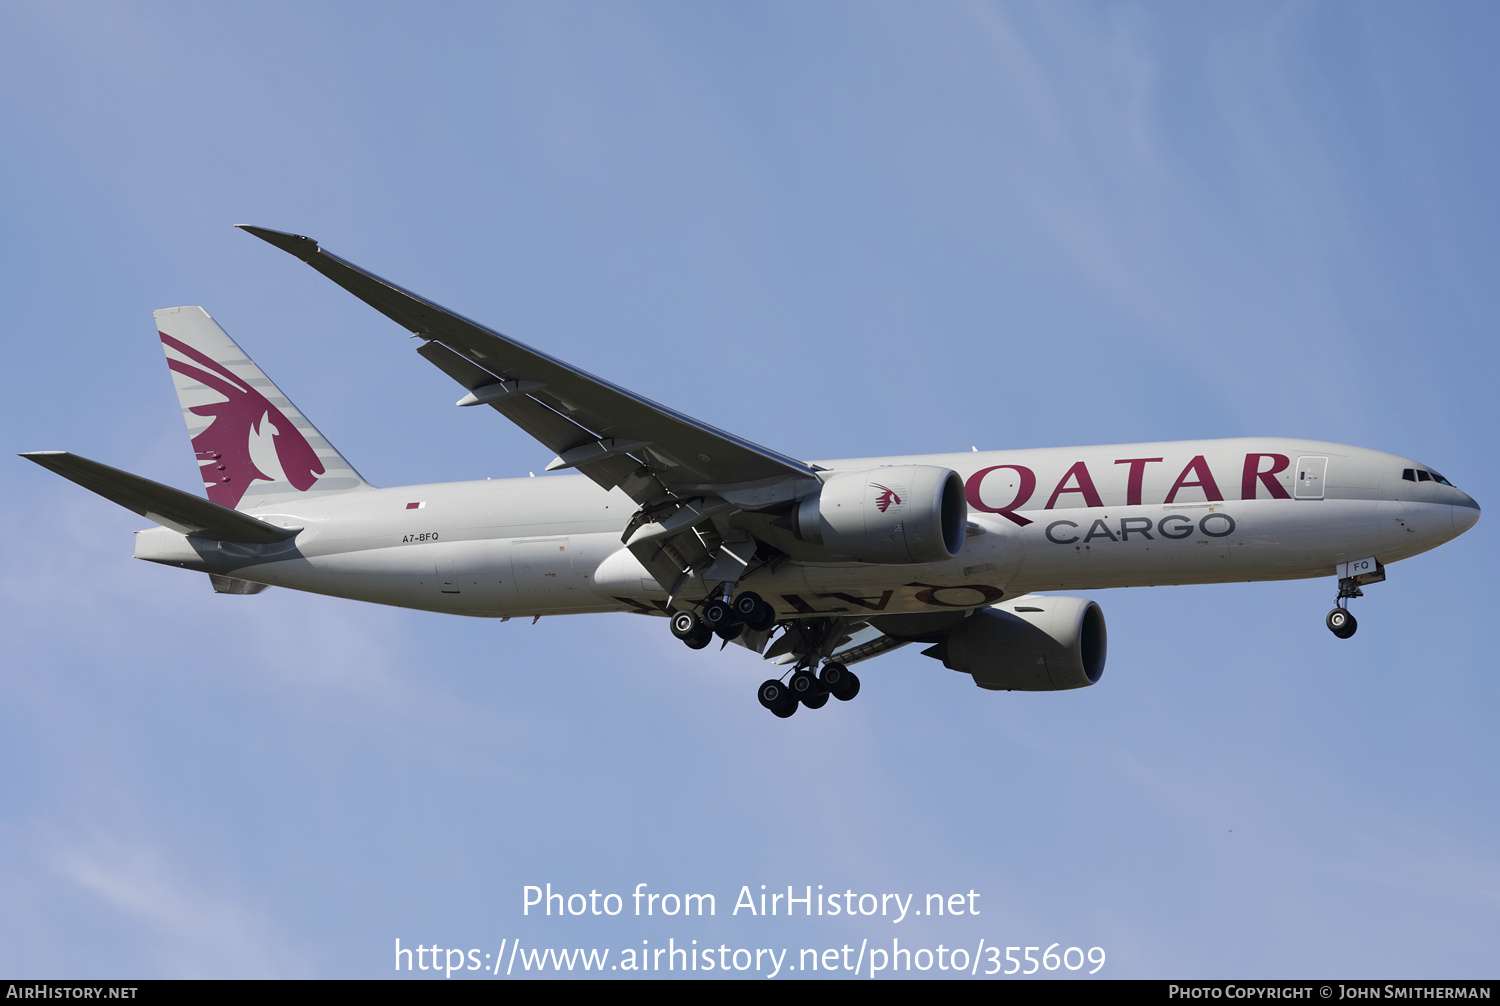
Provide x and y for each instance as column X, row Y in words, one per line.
column 815, row 565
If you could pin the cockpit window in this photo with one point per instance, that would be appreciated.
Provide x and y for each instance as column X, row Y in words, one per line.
column 1418, row 475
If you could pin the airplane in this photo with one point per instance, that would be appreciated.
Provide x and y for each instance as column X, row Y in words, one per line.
column 813, row 565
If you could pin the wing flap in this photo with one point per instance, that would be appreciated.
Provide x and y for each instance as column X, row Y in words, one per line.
column 553, row 430
column 233, row 585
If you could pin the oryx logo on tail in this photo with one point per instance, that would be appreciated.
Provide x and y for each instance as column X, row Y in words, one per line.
column 224, row 448
column 255, row 448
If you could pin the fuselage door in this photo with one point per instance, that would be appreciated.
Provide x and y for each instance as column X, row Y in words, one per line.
column 541, row 564
column 447, row 576
column 1310, row 474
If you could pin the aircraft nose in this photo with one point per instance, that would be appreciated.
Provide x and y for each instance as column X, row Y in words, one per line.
column 1465, row 514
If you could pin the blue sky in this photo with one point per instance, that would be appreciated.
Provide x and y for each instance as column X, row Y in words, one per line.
column 835, row 229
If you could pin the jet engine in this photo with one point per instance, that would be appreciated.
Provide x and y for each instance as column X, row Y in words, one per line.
column 896, row 514
column 1030, row 644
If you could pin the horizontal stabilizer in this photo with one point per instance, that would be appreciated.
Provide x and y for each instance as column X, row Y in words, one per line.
column 171, row 508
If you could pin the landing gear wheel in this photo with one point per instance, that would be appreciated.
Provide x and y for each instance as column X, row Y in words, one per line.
column 777, row 698
column 717, row 615
column 731, row 631
column 804, row 686
column 754, row 612
column 685, row 625
column 832, row 675
column 1341, row 623
column 839, row 681
column 747, row 604
column 817, row 701
column 851, row 687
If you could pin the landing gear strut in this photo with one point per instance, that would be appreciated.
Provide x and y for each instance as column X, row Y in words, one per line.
column 1340, row 620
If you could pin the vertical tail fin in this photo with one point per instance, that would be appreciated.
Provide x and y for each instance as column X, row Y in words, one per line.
column 254, row 447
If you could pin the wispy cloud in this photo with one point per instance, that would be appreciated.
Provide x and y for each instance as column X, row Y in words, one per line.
column 192, row 929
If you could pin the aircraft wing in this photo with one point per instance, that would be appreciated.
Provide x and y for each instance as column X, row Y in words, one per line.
column 617, row 438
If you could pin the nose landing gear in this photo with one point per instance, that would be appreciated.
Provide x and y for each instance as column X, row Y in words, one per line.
column 1352, row 576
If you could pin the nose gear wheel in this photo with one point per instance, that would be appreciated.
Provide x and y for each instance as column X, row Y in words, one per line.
column 1340, row 620
column 1341, row 623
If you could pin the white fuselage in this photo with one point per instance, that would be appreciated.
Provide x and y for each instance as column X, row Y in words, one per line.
column 1048, row 519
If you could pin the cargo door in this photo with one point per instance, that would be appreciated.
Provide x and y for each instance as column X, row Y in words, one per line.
column 542, row 565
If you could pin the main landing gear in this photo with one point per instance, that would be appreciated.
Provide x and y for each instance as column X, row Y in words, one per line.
column 747, row 611
column 806, row 689
column 723, row 619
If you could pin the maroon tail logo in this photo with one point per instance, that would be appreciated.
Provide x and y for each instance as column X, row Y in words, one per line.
column 886, row 498
column 225, row 444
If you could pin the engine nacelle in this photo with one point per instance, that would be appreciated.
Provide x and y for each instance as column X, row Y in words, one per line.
column 898, row 514
column 1030, row 644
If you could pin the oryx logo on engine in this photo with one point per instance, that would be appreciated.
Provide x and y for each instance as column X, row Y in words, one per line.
column 886, row 498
